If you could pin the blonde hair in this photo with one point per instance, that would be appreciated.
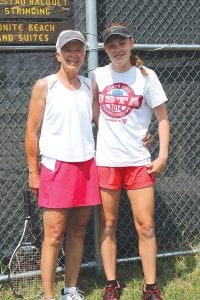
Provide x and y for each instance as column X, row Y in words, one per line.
column 135, row 59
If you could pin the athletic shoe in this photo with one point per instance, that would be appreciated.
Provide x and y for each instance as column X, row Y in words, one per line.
column 72, row 295
column 112, row 293
column 154, row 294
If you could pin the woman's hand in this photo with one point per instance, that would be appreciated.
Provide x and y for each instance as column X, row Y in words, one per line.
column 34, row 182
column 157, row 166
column 147, row 140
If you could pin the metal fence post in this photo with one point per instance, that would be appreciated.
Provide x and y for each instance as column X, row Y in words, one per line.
column 92, row 63
column 91, row 33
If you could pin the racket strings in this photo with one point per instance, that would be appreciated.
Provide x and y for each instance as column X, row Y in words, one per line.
column 25, row 274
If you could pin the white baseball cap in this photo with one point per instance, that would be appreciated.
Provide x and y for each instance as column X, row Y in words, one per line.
column 67, row 36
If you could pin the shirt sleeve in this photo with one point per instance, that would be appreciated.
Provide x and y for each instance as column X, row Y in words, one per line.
column 154, row 92
column 92, row 76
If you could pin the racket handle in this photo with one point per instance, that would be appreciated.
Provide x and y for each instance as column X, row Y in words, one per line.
column 26, row 195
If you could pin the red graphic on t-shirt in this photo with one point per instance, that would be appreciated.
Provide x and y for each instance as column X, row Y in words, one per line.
column 118, row 99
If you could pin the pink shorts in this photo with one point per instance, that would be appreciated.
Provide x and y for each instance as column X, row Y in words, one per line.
column 69, row 185
column 115, row 178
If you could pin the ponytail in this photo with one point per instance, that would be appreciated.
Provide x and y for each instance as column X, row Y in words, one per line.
column 137, row 61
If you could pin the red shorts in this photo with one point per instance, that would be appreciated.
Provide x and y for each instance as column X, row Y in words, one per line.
column 69, row 185
column 130, row 178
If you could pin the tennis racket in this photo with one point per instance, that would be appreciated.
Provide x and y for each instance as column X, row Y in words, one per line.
column 24, row 264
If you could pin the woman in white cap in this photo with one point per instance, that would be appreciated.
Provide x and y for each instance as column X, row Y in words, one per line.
column 62, row 107
column 128, row 94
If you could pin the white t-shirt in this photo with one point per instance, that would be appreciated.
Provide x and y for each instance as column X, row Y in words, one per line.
column 66, row 132
column 126, row 102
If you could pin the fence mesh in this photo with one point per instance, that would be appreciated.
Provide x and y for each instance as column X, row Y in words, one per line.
column 154, row 22
column 178, row 188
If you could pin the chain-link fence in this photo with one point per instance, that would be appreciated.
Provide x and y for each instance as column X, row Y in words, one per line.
column 154, row 22
column 178, row 188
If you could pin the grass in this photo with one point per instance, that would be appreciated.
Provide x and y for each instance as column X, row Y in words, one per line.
column 178, row 277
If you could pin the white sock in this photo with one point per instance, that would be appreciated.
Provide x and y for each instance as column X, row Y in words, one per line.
column 68, row 289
